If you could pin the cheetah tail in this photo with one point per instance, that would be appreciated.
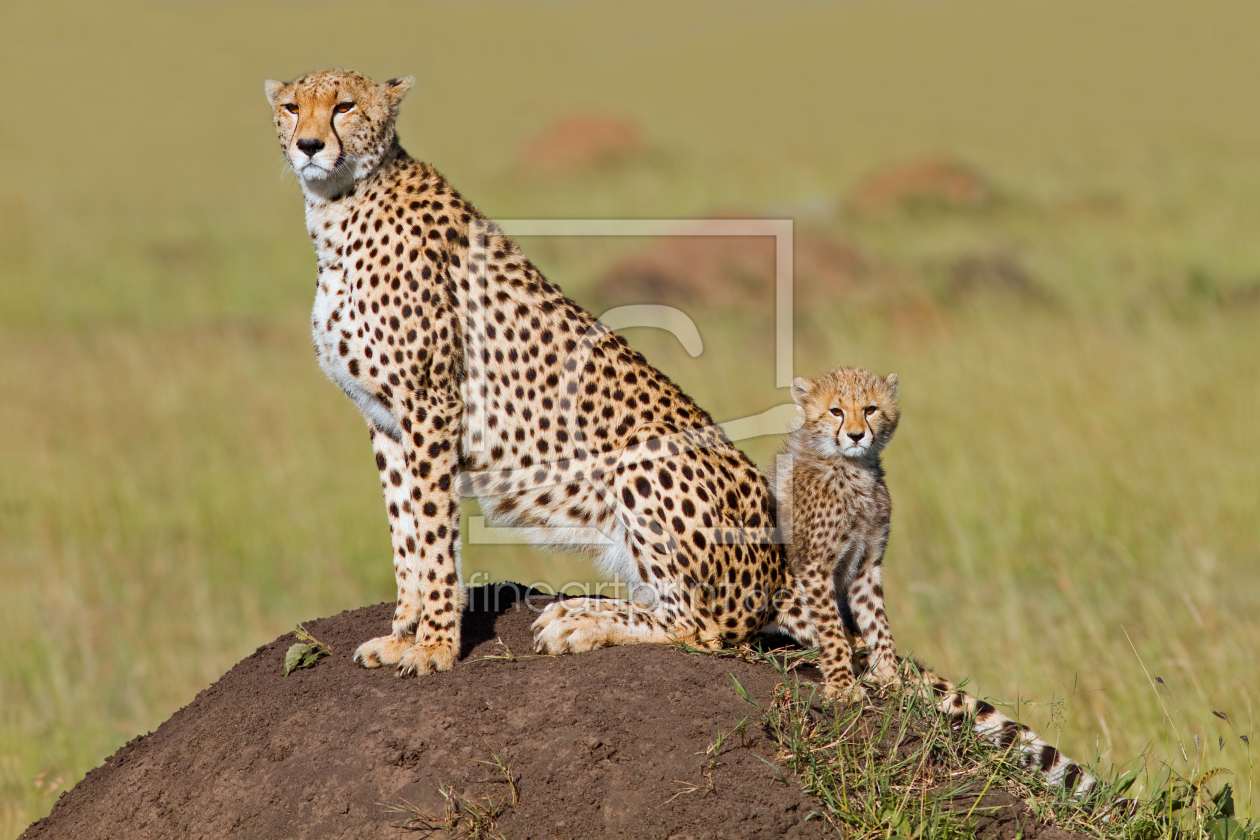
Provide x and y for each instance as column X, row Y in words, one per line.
column 1006, row 734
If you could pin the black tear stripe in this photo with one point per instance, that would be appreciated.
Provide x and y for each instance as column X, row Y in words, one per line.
column 341, row 147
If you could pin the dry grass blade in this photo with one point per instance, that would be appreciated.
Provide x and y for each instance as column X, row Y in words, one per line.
column 514, row 797
column 464, row 818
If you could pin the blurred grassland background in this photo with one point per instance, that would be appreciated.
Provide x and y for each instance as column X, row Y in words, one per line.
column 1078, row 455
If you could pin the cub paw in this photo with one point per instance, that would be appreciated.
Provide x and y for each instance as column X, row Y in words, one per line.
column 845, row 694
column 883, row 675
column 383, row 650
column 559, row 631
column 427, row 658
column 701, row 643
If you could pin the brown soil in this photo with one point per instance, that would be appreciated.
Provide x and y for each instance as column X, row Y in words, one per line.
column 580, row 141
column 606, row 744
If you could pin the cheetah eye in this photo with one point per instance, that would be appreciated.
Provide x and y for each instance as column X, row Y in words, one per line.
column 835, row 412
column 343, row 107
column 870, row 409
column 291, row 107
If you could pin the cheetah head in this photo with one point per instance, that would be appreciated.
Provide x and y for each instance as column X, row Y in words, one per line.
column 335, row 126
column 847, row 411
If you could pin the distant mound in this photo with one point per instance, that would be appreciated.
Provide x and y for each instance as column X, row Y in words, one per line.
column 725, row 272
column 737, row 271
column 581, row 141
column 931, row 183
column 613, row 743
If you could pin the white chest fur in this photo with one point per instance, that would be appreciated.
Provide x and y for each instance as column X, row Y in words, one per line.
column 332, row 330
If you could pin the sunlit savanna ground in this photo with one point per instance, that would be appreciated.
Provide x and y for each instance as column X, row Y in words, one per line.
column 1077, row 483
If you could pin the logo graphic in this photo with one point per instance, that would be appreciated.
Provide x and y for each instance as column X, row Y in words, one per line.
column 593, row 465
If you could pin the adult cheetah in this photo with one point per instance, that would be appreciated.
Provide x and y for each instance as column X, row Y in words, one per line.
column 467, row 362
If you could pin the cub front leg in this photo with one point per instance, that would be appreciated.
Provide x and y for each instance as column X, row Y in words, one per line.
column 817, row 590
column 866, row 600
column 419, row 479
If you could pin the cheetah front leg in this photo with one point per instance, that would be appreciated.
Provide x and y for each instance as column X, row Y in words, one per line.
column 816, row 589
column 866, row 600
column 419, row 477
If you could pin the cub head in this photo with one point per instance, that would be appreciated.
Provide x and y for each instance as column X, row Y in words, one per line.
column 847, row 411
column 335, row 126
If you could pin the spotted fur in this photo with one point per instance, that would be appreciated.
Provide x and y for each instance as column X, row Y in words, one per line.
column 475, row 373
column 835, row 512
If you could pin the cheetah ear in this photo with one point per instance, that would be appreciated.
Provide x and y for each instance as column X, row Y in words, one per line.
column 395, row 89
column 891, row 381
column 800, row 390
column 272, row 88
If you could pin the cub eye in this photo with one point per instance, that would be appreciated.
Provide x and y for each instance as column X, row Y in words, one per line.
column 870, row 409
column 291, row 108
column 835, row 412
column 343, row 107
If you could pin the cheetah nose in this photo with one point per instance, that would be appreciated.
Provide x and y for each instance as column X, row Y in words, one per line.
column 856, row 436
column 310, row 145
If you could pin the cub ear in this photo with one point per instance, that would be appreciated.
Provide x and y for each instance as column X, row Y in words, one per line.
column 891, row 381
column 800, row 390
column 395, row 89
column 272, row 88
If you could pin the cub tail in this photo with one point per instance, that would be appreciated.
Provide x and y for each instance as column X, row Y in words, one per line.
column 1008, row 735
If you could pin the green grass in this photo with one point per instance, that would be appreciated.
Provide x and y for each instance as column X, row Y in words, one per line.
column 178, row 484
column 898, row 767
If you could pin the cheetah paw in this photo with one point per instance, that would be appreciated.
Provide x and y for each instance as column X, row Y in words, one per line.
column 411, row 658
column 427, row 658
column 559, row 631
column 883, row 676
column 383, row 650
column 851, row 694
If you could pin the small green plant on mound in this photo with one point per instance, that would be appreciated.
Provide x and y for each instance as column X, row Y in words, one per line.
column 305, row 652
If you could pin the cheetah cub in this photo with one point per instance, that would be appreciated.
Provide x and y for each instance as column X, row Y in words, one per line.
column 835, row 512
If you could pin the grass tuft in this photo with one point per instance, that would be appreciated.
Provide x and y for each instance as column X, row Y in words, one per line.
column 898, row 767
column 463, row 817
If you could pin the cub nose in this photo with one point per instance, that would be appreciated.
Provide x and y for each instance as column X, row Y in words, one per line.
column 310, row 145
column 856, row 436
